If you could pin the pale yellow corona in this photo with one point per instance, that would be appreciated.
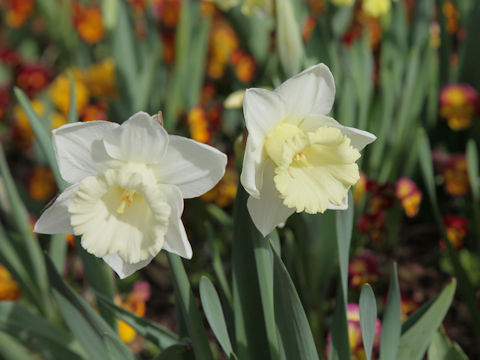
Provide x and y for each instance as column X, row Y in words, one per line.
column 313, row 169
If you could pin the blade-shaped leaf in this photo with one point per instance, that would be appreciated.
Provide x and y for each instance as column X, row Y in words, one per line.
column 392, row 320
column 11, row 349
column 368, row 318
column 43, row 137
column 415, row 340
column 160, row 336
column 250, row 333
column 91, row 331
column 293, row 326
column 344, row 235
column 442, row 348
column 36, row 333
column 189, row 309
column 214, row 313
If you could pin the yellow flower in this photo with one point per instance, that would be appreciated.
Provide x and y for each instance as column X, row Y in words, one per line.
column 376, row 8
column 100, row 78
column 296, row 157
column 60, row 93
column 9, row 289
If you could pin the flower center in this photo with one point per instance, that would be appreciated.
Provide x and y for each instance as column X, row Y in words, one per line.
column 121, row 212
column 127, row 199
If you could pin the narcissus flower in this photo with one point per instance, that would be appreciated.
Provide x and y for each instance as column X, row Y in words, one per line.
column 128, row 184
column 296, row 157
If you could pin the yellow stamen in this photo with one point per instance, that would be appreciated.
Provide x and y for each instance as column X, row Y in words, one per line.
column 127, row 199
column 303, row 159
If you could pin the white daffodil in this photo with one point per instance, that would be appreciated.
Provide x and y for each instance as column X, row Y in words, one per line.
column 296, row 157
column 128, row 184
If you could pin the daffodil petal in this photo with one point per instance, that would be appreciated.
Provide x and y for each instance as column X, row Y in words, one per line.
column 310, row 92
column 262, row 109
column 79, row 149
column 122, row 268
column 139, row 139
column 252, row 172
column 192, row 166
column 268, row 211
column 359, row 138
column 56, row 219
column 176, row 240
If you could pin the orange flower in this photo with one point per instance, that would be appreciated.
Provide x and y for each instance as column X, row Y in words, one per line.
column 94, row 112
column 409, row 195
column 457, row 228
column 135, row 303
column 458, row 104
column 18, row 12
column 41, row 185
column 198, row 123
column 9, row 289
column 100, row 78
column 308, row 27
column 225, row 191
column 455, row 175
column 244, row 65
column 317, row 6
column 88, row 22
column 223, row 42
column 451, row 15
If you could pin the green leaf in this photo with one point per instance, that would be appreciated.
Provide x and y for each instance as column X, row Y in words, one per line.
column 441, row 348
column 264, row 261
column 250, row 333
column 473, row 173
column 189, row 309
column 392, row 320
column 470, row 50
column 91, row 331
column 175, row 102
column 339, row 343
column 58, row 251
column 464, row 285
column 124, row 54
column 36, row 333
column 27, row 247
column 415, row 340
column 293, row 326
column 99, row 277
column 344, row 235
column 214, row 314
column 158, row 335
column 368, row 318
column 217, row 266
column 72, row 110
column 42, row 136
column 11, row 349
column 174, row 352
